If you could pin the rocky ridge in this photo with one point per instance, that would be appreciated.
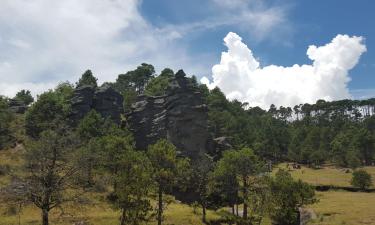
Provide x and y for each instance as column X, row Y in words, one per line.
column 179, row 116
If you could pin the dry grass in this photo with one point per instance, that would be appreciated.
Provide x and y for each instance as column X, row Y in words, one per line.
column 97, row 212
column 334, row 207
column 328, row 175
column 341, row 207
column 100, row 214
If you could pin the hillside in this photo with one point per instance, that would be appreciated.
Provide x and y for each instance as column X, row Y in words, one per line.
column 164, row 149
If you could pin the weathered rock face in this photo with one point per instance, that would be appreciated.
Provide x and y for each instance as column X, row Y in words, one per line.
column 17, row 106
column 221, row 144
column 108, row 103
column 179, row 116
column 105, row 100
column 81, row 102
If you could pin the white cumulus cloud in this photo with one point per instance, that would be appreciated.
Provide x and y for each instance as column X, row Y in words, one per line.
column 44, row 42
column 240, row 76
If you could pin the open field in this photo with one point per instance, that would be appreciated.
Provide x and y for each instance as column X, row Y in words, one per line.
column 342, row 207
column 327, row 175
column 337, row 207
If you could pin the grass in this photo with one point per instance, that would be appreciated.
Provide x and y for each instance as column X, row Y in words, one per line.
column 97, row 212
column 100, row 213
column 337, row 207
column 328, row 175
column 341, row 207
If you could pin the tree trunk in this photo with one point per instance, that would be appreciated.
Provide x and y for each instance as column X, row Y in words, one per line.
column 244, row 198
column 204, row 213
column 122, row 222
column 160, row 209
column 44, row 217
column 233, row 209
column 236, row 209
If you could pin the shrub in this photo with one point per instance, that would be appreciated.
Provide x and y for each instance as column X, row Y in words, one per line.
column 361, row 179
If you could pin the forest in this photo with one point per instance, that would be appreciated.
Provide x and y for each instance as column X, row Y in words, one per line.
column 64, row 162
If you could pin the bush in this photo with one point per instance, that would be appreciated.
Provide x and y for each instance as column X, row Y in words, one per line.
column 361, row 179
column 288, row 196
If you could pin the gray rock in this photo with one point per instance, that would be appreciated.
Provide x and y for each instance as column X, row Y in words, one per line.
column 82, row 102
column 179, row 116
column 306, row 215
column 105, row 100
column 108, row 103
column 221, row 144
column 17, row 106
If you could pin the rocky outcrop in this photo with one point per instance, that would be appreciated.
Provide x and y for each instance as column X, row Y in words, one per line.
column 17, row 106
column 221, row 144
column 109, row 103
column 105, row 100
column 179, row 116
column 81, row 102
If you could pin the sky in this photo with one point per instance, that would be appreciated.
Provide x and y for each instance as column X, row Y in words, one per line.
column 284, row 52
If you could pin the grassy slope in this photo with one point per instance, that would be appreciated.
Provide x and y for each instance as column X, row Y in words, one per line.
column 96, row 212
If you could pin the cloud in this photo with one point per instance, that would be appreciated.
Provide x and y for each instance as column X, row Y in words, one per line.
column 44, row 42
column 240, row 76
column 254, row 17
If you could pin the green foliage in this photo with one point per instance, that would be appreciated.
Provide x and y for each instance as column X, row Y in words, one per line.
column 201, row 178
column 24, row 96
column 130, row 97
column 287, row 196
column 133, row 188
column 6, row 118
column 352, row 159
column 51, row 108
column 91, row 126
column 163, row 157
column 87, row 78
column 158, row 85
column 134, row 83
column 44, row 114
column 136, row 80
column 166, row 168
column 50, row 170
column 361, row 179
column 237, row 171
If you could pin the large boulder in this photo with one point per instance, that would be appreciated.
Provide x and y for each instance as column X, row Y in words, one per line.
column 105, row 100
column 179, row 116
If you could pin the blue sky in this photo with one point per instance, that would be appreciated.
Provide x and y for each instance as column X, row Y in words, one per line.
column 310, row 22
column 44, row 42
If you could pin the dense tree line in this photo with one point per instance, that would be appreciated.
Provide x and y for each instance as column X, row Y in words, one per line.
column 337, row 131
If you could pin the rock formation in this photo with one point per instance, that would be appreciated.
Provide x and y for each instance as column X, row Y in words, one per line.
column 179, row 116
column 221, row 144
column 17, row 106
column 105, row 100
